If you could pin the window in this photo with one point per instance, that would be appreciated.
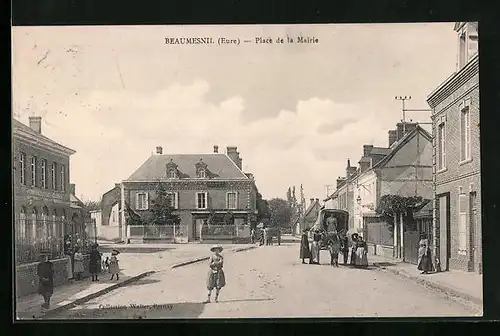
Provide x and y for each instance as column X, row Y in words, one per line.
column 172, row 199
column 231, row 201
column 33, row 171
column 31, row 230
column 462, row 223
column 465, row 133
column 63, row 178
column 53, row 176
column 441, row 147
column 22, row 163
column 44, row 173
column 201, row 200
column 202, row 173
column 142, row 201
column 172, row 173
column 22, row 224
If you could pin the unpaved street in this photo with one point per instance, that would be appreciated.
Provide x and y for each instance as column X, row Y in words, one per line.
column 271, row 282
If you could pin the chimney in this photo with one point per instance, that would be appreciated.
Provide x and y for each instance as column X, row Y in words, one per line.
column 393, row 135
column 349, row 171
column 408, row 127
column 216, row 149
column 159, row 150
column 240, row 162
column 118, row 185
column 233, row 154
column 36, row 124
column 339, row 182
column 312, row 200
column 317, row 200
column 367, row 149
column 72, row 189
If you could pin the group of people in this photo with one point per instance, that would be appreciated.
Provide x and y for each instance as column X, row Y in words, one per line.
column 45, row 270
column 358, row 249
column 265, row 236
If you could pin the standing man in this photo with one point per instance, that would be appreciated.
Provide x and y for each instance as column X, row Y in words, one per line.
column 45, row 272
column 344, row 246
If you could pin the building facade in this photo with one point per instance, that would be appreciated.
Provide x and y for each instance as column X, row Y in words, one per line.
column 198, row 185
column 456, row 159
column 311, row 214
column 41, row 173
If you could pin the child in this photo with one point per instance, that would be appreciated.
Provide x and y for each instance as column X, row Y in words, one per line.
column 105, row 264
column 216, row 278
column 45, row 272
column 95, row 262
column 78, row 267
column 114, row 268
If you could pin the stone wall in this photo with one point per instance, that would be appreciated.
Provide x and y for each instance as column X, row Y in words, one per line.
column 27, row 278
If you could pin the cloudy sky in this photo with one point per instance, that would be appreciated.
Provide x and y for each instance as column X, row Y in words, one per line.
column 296, row 112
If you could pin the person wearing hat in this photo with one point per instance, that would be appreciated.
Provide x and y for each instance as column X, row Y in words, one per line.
column 216, row 277
column 361, row 253
column 315, row 248
column 45, row 272
column 305, row 252
column 344, row 245
column 424, row 255
column 114, row 267
column 354, row 238
column 78, row 268
column 94, row 262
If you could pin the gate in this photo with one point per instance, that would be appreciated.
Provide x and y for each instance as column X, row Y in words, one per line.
column 411, row 240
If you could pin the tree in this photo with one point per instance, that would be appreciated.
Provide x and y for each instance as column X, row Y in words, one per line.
column 262, row 208
column 395, row 207
column 92, row 205
column 162, row 210
column 280, row 213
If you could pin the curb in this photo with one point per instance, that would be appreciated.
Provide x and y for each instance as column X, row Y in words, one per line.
column 442, row 288
column 94, row 295
column 193, row 261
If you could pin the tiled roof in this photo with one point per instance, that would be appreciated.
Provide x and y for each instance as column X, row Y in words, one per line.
column 219, row 165
column 17, row 125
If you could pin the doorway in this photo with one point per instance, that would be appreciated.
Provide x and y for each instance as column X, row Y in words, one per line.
column 444, row 231
column 472, row 232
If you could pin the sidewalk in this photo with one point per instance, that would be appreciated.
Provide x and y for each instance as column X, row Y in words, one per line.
column 465, row 285
column 134, row 266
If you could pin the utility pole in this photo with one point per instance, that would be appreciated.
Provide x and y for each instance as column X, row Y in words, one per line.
column 403, row 99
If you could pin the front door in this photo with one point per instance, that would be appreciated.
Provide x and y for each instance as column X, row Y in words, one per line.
column 444, row 231
column 472, row 242
column 197, row 225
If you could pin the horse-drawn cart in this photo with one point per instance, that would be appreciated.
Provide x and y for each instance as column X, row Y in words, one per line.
column 332, row 226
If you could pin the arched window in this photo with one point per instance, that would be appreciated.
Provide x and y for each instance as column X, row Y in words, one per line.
column 22, row 223
column 55, row 232
column 42, row 227
column 34, row 218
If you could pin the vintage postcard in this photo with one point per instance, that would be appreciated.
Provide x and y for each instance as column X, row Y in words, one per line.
column 246, row 171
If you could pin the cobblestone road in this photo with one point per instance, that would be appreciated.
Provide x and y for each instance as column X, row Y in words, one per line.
column 271, row 282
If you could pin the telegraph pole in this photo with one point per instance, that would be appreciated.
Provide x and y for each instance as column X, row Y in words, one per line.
column 403, row 99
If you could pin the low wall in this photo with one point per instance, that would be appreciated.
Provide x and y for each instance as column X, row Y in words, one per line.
column 110, row 232
column 381, row 250
column 27, row 279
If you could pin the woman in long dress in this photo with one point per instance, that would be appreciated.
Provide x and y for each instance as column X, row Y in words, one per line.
column 315, row 247
column 305, row 252
column 361, row 253
column 114, row 267
column 424, row 256
column 354, row 238
column 45, row 272
column 216, row 277
column 78, row 268
column 95, row 263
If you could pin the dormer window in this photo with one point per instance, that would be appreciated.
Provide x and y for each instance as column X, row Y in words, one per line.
column 172, row 173
column 201, row 169
column 202, row 173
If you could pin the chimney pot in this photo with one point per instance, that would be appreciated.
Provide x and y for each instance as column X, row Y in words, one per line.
column 36, row 124
column 159, row 150
column 72, row 187
column 216, row 149
column 367, row 149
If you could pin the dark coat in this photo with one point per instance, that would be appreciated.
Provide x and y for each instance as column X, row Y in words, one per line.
column 95, row 262
column 45, row 272
column 305, row 252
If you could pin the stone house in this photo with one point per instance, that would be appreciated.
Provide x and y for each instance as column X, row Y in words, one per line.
column 456, row 159
column 199, row 186
column 108, row 218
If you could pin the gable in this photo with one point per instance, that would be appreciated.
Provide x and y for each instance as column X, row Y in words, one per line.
column 220, row 167
column 417, row 150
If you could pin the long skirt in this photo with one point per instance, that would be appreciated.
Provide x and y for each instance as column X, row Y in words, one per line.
column 305, row 252
column 425, row 262
column 315, row 251
column 78, row 266
column 353, row 256
column 361, row 257
column 45, row 287
column 216, row 280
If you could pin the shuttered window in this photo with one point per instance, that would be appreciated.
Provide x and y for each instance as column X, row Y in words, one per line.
column 142, row 201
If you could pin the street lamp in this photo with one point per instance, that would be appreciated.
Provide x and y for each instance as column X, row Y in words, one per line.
column 358, row 200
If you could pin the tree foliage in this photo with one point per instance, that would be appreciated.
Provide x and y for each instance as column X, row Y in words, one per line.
column 263, row 211
column 161, row 209
column 280, row 213
column 92, row 205
column 393, row 206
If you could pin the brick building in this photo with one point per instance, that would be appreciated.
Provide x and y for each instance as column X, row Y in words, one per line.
column 42, row 195
column 199, row 186
column 456, row 159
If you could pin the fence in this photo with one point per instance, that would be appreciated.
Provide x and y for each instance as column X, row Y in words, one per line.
column 28, row 250
column 156, row 231
column 218, row 231
column 378, row 232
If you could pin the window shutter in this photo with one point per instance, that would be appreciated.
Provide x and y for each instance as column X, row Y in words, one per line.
column 146, row 195
column 462, row 230
column 236, row 200
column 176, row 200
column 206, row 200
column 137, row 205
